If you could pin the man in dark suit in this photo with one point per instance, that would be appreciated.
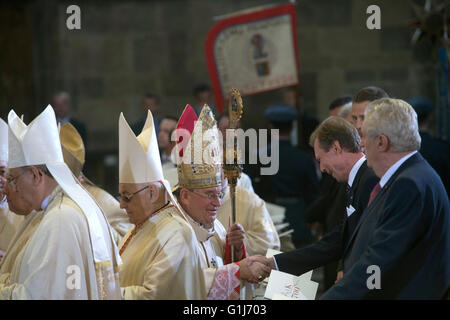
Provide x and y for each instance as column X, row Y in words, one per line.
column 400, row 248
column 337, row 149
column 328, row 210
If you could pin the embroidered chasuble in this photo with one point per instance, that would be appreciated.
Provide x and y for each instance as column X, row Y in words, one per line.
column 160, row 260
column 51, row 257
column 251, row 213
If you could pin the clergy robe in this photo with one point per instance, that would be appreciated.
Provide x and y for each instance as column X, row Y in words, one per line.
column 117, row 217
column 9, row 222
column 251, row 213
column 160, row 260
column 222, row 278
column 51, row 257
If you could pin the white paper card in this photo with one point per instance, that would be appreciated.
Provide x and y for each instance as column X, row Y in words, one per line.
column 279, row 296
column 291, row 286
column 271, row 252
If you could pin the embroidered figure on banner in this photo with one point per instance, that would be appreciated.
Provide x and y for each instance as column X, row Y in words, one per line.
column 260, row 55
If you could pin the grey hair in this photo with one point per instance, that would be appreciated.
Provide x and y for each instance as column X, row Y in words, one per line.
column 395, row 119
column 345, row 110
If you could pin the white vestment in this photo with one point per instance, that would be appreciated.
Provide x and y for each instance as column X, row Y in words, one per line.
column 252, row 214
column 222, row 278
column 51, row 257
column 117, row 217
column 160, row 260
column 9, row 222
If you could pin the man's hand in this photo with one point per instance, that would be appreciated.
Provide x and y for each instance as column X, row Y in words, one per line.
column 236, row 237
column 254, row 269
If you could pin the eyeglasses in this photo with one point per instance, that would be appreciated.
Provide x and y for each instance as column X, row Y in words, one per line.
column 12, row 182
column 128, row 197
column 209, row 195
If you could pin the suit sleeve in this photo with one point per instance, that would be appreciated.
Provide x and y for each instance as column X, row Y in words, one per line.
column 326, row 250
column 394, row 236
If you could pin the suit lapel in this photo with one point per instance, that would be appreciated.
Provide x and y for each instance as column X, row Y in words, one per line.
column 367, row 211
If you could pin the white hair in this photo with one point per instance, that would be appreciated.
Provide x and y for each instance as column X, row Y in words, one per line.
column 395, row 119
column 345, row 110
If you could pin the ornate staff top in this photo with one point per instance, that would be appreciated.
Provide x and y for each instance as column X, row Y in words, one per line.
column 232, row 168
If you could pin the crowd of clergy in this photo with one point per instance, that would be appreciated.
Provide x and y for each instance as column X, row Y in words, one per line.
column 170, row 233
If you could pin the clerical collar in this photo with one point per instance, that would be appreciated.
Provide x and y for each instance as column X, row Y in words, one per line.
column 202, row 232
column 44, row 203
column 354, row 171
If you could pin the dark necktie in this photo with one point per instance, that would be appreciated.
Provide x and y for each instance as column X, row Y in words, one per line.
column 348, row 191
column 374, row 193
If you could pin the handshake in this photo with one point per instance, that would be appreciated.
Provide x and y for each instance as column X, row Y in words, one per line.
column 256, row 268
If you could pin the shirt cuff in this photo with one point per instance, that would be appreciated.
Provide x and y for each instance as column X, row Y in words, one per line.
column 275, row 262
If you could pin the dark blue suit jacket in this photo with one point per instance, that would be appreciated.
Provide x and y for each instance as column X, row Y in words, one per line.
column 405, row 231
column 331, row 247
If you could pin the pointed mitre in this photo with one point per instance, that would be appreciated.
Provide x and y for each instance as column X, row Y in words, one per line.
column 72, row 148
column 184, row 129
column 3, row 141
column 201, row 163
column 35, row 144
column 139, row 160
column 38, row 144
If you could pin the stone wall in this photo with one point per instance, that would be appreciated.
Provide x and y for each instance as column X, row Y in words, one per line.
column 127, row 48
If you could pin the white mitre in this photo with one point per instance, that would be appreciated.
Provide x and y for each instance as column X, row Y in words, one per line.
column 3, row 141
column 39, row 144
column 139, row 159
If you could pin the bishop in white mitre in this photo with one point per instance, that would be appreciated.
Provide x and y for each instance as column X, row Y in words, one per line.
column 159, row 255
column 64, row 248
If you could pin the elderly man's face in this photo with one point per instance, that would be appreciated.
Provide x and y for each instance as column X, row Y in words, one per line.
column 330, row 162
column 136, row 205
column 202, row 204
column 17, row 191
column 358, row 109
